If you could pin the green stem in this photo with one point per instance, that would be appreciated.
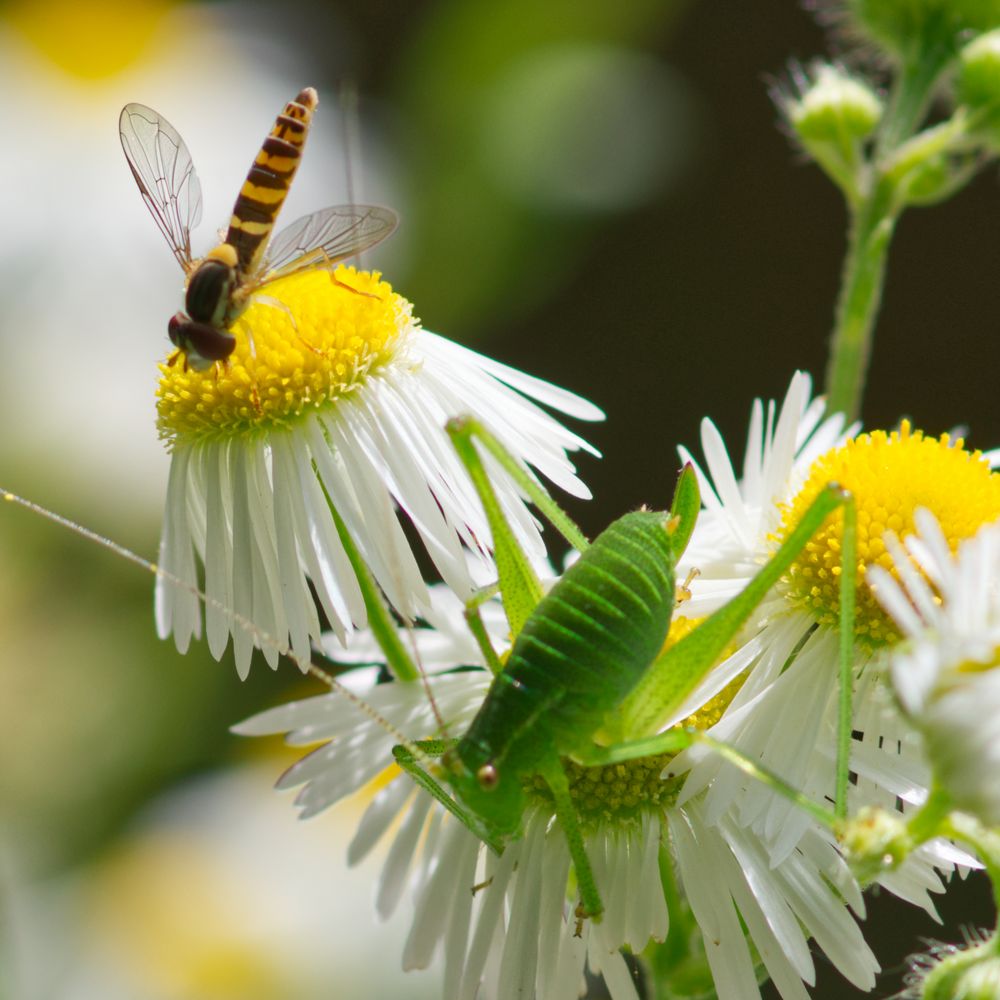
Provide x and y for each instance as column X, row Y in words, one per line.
column 872, row 222
column 984, row 841
column 914, row 87
column 929, row 820
column 873, row 219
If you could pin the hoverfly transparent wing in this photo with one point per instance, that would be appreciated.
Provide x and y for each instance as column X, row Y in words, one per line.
column 325, row 237
column 162, row 167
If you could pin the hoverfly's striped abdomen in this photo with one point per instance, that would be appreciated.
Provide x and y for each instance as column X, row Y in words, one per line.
column 263, row 192
column 584, row 648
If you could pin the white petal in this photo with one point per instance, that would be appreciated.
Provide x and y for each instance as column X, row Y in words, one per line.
column 397, row 865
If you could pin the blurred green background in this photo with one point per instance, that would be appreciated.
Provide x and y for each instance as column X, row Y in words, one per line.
column 596, row 193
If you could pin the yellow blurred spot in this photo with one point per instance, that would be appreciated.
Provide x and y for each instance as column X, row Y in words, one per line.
column 89, row 40
column 180, row 923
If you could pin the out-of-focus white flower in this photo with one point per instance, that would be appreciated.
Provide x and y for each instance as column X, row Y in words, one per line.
column 198, row 899
column 946, row 676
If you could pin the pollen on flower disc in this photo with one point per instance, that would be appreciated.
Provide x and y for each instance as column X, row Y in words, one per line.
column 890, row 475
column 304, row 342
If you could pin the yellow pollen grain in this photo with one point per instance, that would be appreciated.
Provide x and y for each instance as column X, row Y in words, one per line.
column 305, row 342
column 890, row 475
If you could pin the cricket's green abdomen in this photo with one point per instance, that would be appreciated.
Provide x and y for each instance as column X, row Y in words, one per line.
column 582, row 650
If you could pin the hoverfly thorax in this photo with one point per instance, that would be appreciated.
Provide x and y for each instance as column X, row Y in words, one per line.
column 211, row 286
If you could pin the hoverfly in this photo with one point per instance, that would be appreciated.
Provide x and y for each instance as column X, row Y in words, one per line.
column 219, row 285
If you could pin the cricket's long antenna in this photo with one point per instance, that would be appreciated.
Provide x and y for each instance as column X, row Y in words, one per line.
column 262, row 637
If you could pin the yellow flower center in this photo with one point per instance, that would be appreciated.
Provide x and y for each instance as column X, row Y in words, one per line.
column 890, row 476
column 305, row 342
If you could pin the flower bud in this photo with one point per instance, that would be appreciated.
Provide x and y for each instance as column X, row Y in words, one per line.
column 971, row 973
column 833, row 107
column 979, row 70
column 978, row 82
column 874, row 841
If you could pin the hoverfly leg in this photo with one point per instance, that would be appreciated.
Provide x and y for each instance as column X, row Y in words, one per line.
column 248, row 330
column 349, row 288
column 255, row 400
column 329, row 266
column 274, row 303
column 270, row 300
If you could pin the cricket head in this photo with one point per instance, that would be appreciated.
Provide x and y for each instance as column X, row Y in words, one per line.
column 493, row 793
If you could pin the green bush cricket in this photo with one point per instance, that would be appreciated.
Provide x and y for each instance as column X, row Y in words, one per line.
column 587, row 657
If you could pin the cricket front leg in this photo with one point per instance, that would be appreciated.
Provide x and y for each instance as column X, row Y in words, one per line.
column 551, row 769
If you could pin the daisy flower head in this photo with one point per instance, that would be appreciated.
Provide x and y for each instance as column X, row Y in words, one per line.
column 507, row 924
column 789, row 649
column 945, row 673
column 337, row 398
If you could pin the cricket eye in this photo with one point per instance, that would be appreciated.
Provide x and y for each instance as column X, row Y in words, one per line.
column 487, row 777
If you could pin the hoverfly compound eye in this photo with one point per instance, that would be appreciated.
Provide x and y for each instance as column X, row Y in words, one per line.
column 488, row 777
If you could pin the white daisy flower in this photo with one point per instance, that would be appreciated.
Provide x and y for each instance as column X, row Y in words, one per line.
column 340, row 398
column 947, row 606
column 789, row 650
column 506, row 925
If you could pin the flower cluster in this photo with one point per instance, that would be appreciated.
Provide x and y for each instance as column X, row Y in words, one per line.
column 720, row 722
column 757, row 875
